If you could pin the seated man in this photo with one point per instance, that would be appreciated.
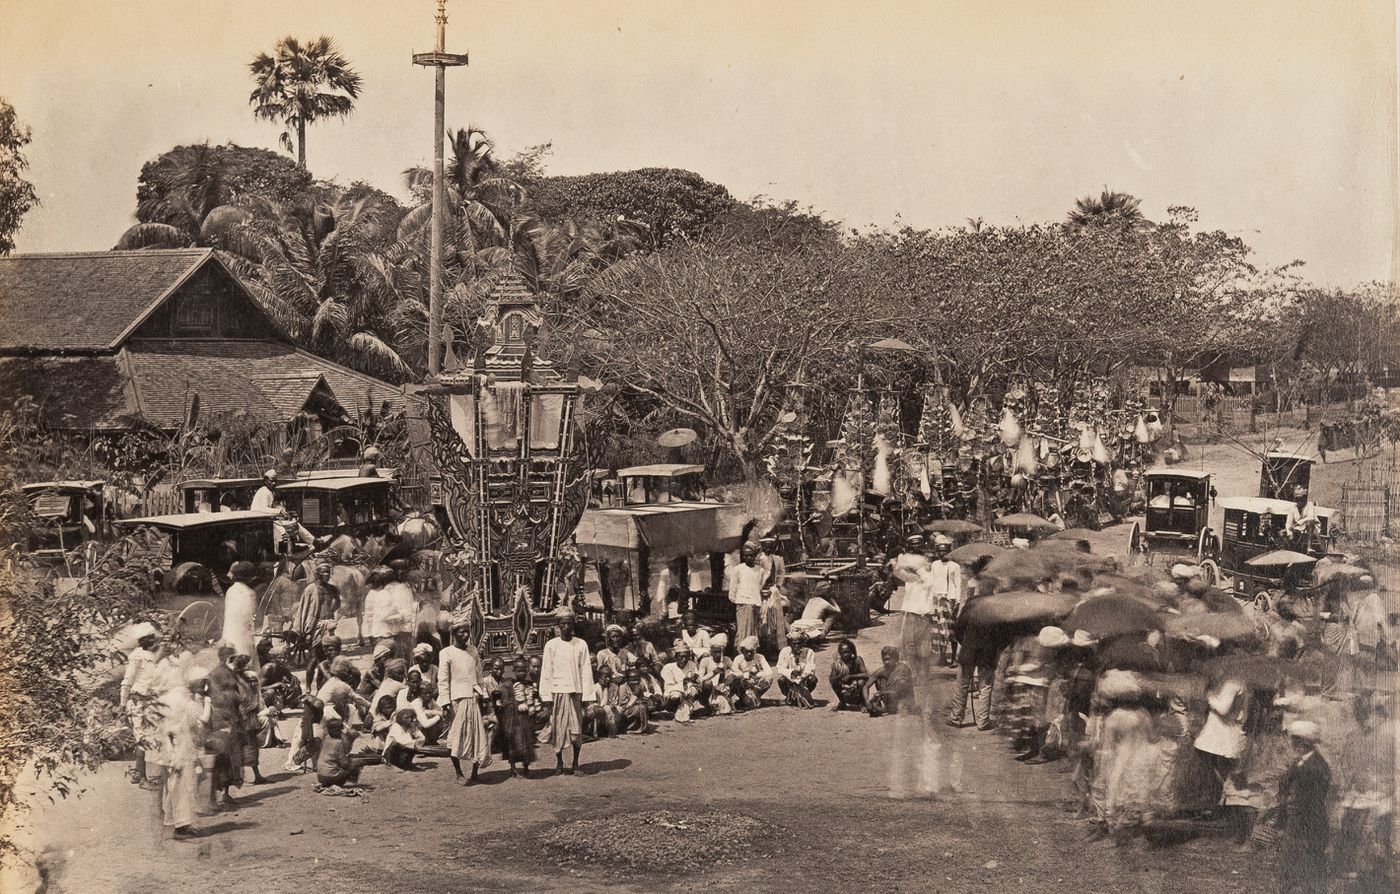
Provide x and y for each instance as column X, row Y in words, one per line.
column 601, row 716
column 696, row 638
column 848, row 677
column 280, row 689
column 797, row 673
column 681, row 681
column 890, row 689
column 403, row 740
column 612, row 654
column 334, row 765
column 751, row 675
column 632, row 704
column 639, row 648
column 420, row 698
column 818, row 616
column 715, row 673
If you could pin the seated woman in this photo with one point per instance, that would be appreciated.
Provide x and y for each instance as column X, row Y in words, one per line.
column 715, row 673
column 848, row 677
column 403, row 740
column 751, row 675
column 514, row 705
column 890, row 690
column 797, row 673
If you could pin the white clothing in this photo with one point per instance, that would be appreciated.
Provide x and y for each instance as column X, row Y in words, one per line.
column 565, row 669
column 263, row 499
column 399, row 609
column 1297, row 519
column 795, row 667
column 240, row 605
column 673, row 679
column 458, row 676
column 746, row 584
column 405, row 737
column 1369, row 621
column 944, row 579
column 699, row 642
column 140, row 674
column 1223, row 733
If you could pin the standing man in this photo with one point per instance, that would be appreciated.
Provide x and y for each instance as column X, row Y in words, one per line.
column 139, row 680
column 320, row 600
column 459, row 684
column 566, row 682
column 266, row 495
column 1302, row 813
column 944, row 580
column 400, row 618
column 746, row 592
column 240, row 605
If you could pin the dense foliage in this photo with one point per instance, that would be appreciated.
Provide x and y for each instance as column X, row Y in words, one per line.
column 17, row 194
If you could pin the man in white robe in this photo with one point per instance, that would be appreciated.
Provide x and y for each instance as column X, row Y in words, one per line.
column 240, row 606
column 459, row 685
column 566, row 682
column 745, row 587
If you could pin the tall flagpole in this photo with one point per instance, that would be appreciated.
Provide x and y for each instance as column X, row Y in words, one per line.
column 440, row 59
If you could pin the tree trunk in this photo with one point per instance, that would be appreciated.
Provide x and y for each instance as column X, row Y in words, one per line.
column 301, row 144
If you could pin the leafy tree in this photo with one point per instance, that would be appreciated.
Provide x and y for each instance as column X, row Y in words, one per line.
column 669, row 203
column 300, row 84
column 481, row 200
column 714, row 333
column 17, row 194
column 203, row 195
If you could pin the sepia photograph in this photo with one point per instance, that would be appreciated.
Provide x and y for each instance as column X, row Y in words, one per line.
column 640, row 446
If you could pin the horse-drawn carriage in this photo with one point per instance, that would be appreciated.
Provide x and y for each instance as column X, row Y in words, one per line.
column 1282, row 474
column 202, row 548
column 1267, row 548
column 213, row 494
column 69, row 515
column 342, row 504
column 1176, row 526
column 662, row 483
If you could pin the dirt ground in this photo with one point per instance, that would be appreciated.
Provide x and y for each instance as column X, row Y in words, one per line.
column 843, row 802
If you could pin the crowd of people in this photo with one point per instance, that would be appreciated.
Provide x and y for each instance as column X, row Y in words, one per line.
column 1173, row 708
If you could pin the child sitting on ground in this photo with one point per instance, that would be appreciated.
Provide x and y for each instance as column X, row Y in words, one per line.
column 334, row 765
column 403, row 740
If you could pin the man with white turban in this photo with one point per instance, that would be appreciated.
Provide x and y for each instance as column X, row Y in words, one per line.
column 751, row 674
column 1303, row 812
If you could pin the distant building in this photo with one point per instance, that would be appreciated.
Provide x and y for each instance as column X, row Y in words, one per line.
column 105, row 341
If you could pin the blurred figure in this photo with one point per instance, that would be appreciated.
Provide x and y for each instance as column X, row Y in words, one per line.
column 1302, row 814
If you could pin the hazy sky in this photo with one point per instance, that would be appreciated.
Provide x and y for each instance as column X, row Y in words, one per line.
column 1275, row 119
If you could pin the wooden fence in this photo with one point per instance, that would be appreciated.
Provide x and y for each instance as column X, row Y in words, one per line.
column 1368, row 507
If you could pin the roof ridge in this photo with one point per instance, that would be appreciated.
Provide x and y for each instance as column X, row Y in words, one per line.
column 148, row 252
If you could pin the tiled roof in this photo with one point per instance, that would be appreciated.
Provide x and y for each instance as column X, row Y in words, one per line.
column 226, row 374
column 288, row 392
column 87, row 393
column 86, row 301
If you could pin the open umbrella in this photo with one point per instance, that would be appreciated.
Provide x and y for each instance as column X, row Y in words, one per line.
column 1130, row 654
column 1018, row 607
column 1066, row 546
column 952, row 526
column 1330, row 568
column 1254, row 671
column 1281, row 557
column 1112, row 615
column 973, row 552
column 1224, row 626
column 1018, row 565
column 1026, row 521
column 1062, row 559
column 1072, row 534
column 677, row 437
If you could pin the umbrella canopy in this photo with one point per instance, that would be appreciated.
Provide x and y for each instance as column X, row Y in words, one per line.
column 952, row 526
column 973, row 552
column 1330, row 568
column 1017, row 607
column 1018, row 565
column 1026, row 521
column 677, row 437
column 1113, row 615
column 1281, row 557
column 1130, row 654
column 1254, row 671
column 1061, row 559
column 1224, row 626
column 1072, row 534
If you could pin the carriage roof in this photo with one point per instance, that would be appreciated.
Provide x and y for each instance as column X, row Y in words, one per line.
column 660, row 470
column 337, row 484
column 189, row 521
column 1192, row 474
column 219, row 482
column 69, row 486
column 1288, row 455
column 1260, row 505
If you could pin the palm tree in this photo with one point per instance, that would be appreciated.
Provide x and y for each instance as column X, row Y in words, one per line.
column 1110, row 208
column 301, row 84
column 189, row 205
column 478, row 193
column 326, row 273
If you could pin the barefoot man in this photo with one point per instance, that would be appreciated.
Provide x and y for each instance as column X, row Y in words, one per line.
column 566, row 682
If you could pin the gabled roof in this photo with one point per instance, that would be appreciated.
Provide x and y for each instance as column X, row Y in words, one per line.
column 87, row 301
column 290, row 391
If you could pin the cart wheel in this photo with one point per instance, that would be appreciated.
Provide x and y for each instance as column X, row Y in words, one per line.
column 200, row 622
column 1136, row 542
column 1263, row 601
column 1205, row 545
column 1210, row 573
